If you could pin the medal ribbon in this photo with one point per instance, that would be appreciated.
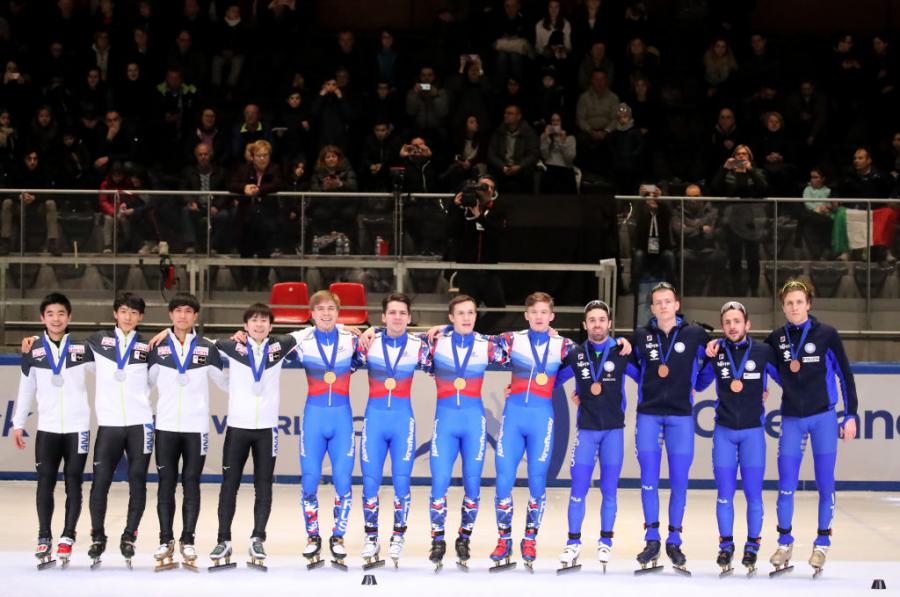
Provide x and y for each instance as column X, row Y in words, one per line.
column 738, row 372
column 664, row 356
column 256, row 371
column 540, row 364
column 182, row 367
column 467, row 339
column 392, row 368
column 57, row 366
column 594, row 371
column 320, row 336
column 795, row 353
column 121, row 361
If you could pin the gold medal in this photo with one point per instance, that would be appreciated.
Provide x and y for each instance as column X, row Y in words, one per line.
column 795, row 366
column 459, row 383
column 596, row 388
column 390, row 383
column 541, row 379
column 737, row 386
column 329, row 377
column 663, row 371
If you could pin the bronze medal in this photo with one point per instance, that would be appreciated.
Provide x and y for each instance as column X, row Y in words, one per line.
column 329, row 377
column 596, row 388
column 663, row 371
column 541, row 379
column 459, row 383
column 795, row 366
column 737, row 386
column 390, row 383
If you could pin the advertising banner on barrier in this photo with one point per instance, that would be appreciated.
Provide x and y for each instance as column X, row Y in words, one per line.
column 865, row 463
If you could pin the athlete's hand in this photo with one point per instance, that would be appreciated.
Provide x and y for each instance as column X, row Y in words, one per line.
column 353, row 330
column 552, row 331
column 765, row 396
column 712, row 348
column 27, row 343
column 157, row 339
column 19, row 437
column 575, row 399
column 624, row 347
column 847, row 431
column 366, row 338
column 240, row 337
column 433, row 332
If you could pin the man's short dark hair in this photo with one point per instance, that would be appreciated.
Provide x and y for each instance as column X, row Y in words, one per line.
column 183, row 299
column 130, row 300
column 599, row 69
column 56, row 298
column 258, row 309
column 397, row 297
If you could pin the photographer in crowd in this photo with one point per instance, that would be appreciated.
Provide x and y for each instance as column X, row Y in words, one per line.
column 477, row 224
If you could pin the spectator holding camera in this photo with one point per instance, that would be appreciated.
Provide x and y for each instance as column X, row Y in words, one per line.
column 471, row 91
column 427, row 104
column 416, row 156
column 477, row 222
column 745, row 223
column 514, row 152
column 558, row 154
column 333, row 172
column 332, row 114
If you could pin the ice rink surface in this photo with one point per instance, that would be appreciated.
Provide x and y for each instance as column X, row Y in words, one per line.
column 866, row 547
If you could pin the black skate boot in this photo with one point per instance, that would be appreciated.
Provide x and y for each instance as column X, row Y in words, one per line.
column 98, row 546
column 726, row 553
column 650, row 555
column 126, row 546
column 436, row 554
column 338, row 552
column 751, row 551
column 678, row 559
column 462, row 553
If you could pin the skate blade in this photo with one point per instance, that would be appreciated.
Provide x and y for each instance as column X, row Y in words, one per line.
column 681, row 571
column 498, row 567
column 780, row 571
column 727, row 572
column 96, row 565
column 162, row 567
column 751, row 572
column 129, row 565
column 373, row 565
column 530, row 567
column 568, row 569
column 396, row 562
column 438, row 566
column 462, row 566
column 64, row 563
column 339, row 565
column 648, row 570
column 190, row 566
column 258, row 566
column 315, row 563
column 220, row 567
column 817, row 573
column 46, row 564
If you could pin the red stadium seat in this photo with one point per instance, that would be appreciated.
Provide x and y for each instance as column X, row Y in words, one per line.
column 351, row 294
column 290, row 293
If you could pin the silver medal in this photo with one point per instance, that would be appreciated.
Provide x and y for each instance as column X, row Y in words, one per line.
column 57, row 380
column 120, row 375
column 257, row 388
column 182, row 379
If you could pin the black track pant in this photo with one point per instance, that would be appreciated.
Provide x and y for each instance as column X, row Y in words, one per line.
column 190, row 450
column 135, row 442
column 50, row 449
column 239, row 444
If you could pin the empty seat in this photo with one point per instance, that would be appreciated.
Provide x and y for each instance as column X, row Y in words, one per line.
column 827, row 276
column 290, row 293
column 880, row 273
column 351, row 294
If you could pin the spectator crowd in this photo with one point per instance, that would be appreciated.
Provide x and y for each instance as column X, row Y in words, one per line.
column 545, row 96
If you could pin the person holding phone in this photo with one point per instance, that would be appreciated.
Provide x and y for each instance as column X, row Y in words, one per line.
column 558, row 153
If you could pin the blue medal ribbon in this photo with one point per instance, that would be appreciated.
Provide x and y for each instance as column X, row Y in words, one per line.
column 320, row 337
column 588, row 349
column 399, row 342
column 257, row 371
column 121, row 360
column 467, row 339
column 738, row 372
column 56, row 367
column 664, row 356
column 182, row 368
column 795, row 353
column 540, row 364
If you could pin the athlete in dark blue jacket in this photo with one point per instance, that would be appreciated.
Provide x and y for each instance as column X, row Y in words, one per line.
column 599, row 370
column 669, row 353
column 740, row 371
